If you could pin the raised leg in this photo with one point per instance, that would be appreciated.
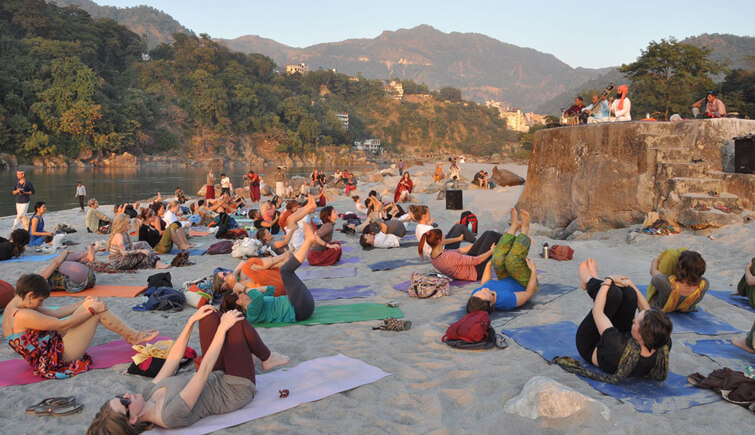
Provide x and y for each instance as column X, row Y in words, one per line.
column 298, row 293
column 459, row 230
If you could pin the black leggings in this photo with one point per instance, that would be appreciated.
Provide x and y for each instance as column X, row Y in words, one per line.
column 621, row 306
column 487, row 240
column 456, row 231
column 241, row 342
column 298, row 293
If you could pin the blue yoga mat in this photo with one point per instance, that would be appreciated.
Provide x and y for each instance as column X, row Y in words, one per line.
column 736, row 300
column 394, row 264
column 352, row 292
column 326, row 272
column 545, row 294
column 558, row 339
column 698, row 322
column 723, row 352
column 192, row 252
column 31, row 258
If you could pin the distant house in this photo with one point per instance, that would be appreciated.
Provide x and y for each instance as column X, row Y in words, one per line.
column 371, row 145
column 297, row 68
column 395, row 89
column 515, row 120
column 344, row 119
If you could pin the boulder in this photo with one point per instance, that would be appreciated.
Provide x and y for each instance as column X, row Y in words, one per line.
column 495, row 159
column 266, row 190
column 504, row 177
column 376, row 178
column 544, row 397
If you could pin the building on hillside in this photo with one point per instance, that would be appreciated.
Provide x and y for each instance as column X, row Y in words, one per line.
column 344, row 119
column 372, row 145
column 395, row 89
column 515, row 120
column 534, row 118
column 300, row 68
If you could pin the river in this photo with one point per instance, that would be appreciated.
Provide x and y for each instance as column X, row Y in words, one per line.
column 56, row 187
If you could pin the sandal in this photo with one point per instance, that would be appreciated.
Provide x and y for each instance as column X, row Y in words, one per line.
column 501, row 342
column 50, row 402
column 71, row 408
column 393, row 324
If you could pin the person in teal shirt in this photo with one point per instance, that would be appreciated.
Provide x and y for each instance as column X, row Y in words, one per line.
column 599, row 114
column 261, row 306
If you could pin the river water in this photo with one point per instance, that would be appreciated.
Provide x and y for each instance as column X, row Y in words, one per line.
column 57, row 187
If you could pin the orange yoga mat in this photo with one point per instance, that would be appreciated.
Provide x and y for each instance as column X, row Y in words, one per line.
column 118, row 291
column 193, row 233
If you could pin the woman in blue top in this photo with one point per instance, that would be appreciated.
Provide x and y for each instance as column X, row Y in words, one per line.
column 517, row 275
column 37, row 225
column 260, row 304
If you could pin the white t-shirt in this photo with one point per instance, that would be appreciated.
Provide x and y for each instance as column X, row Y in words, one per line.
column 225, row 182
column 386, row 241
column 422, row 229
column 169, row 217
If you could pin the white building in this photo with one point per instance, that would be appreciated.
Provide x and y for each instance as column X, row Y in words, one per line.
column 371, row 145
column 344, row 118
column 297, row 68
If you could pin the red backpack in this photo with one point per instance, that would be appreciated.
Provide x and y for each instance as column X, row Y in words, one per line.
column 472, row 328
column 468, row 218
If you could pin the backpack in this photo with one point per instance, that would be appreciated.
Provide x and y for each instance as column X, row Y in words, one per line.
column 162, row 299
column 468, row 218
column 561, row 253
column 472, row 328
column 224, row 224
column 223, row 247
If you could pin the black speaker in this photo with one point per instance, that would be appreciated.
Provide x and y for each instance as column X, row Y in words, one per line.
column 454, row 199
column 744, row 154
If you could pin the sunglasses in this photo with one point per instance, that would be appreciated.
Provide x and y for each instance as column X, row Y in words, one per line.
column 126, row 402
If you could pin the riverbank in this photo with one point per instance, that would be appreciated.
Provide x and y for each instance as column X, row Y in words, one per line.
column 432, row 388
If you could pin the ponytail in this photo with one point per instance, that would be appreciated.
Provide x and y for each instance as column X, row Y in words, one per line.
column 432, row 237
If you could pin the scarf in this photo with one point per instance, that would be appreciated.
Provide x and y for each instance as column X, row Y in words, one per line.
column 623, row 89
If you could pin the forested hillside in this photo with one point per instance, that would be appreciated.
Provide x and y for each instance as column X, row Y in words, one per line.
column 75, row 86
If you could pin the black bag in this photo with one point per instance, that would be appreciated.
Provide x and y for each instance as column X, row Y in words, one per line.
column 161, row 279
column 489, row 343
column 155, row 365
column 224, row 225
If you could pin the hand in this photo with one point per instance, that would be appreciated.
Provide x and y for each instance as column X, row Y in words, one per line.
column 622, row 281
column 201, row 313
column 531, row 265
column 229, row 319
column 94, row 303
column 654, row 264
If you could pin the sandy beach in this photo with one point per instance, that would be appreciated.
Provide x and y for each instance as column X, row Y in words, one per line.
column 433, row 388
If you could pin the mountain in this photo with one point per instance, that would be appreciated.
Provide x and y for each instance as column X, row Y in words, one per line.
column 156, row 25
column 482, row 67
column 726, row 48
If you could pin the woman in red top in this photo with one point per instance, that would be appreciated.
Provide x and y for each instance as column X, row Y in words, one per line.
column 467, row 263
column 254, row 186
column 404, row 188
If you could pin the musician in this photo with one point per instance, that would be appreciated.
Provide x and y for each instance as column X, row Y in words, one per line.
column 598, row 110
column 576, row 108
column 714, row 107
column 621, row 106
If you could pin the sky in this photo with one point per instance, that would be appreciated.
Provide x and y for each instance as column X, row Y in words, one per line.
column 587, row 34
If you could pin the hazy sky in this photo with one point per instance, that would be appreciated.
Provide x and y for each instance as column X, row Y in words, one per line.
column 581, row 33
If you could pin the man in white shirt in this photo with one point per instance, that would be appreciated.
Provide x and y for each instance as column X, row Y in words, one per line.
column 621, row 106
column 225, row 185
column 81, row 194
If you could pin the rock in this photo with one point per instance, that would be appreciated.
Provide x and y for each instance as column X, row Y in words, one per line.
column 50, row 162
column 8, row 161
column 388, row 172
column 504, row 177
column 544, row 397
column 473, row 186
column 495, row 159
column 266, row 190
column 441, row 195
column 376, row 178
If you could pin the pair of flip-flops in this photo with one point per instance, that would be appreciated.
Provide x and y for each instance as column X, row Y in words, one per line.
column 56, row 406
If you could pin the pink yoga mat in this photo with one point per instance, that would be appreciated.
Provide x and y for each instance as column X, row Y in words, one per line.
column 18, row 372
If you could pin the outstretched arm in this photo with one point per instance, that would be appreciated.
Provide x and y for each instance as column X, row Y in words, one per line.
column 487, row 274
column 179, row 346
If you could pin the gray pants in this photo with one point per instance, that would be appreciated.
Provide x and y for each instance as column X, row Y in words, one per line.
column 298, row 293
column 458, row 230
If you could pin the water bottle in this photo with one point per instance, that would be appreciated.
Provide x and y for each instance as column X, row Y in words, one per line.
column 545, row 250
column 647, row 116
column 469, row 226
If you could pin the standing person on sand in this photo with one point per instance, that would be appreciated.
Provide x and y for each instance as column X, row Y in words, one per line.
column 22, row 191
column 210, row 186
column 279, row 178
column 225, row 185
column 81, row 194
column 400, row 167
column 254, row 185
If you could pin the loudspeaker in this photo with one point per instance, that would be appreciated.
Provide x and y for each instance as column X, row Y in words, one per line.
column 744, row 154
column 454, row 199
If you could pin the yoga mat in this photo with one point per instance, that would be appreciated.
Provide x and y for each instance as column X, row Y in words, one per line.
column 31, row 258
column 194, row 233
column 309, row 381
column 545, row 294
column 698, row 322
column 395, row 264
column 409, row 237
column 328, row 314
column 404, row 286
column 352, row 292
column 18, row 372
column 351, row 260
column 723, row 352
column 326, row 272
column 192, row 252
column 117, row 291
column 558, row 339
column 736, row 300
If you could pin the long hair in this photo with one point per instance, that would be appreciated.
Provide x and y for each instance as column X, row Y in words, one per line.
column 121, row 224
column 20, row 238
column 109, row 422
column 325, row 214
column 432, row 238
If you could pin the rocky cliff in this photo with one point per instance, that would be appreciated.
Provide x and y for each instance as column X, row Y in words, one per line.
column 596, row 177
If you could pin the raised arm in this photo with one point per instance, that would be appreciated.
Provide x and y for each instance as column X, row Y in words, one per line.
column 654, row 267
column 47, row 272
column 487, row 274
column 601, row 320
column 32, row 319
column 179, row 346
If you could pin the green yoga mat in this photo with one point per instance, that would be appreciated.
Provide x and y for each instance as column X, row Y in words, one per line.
column 348, row 313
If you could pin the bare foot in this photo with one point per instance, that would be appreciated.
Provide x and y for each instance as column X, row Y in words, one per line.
column 584, row 274
column 161, row 265
column 740, row 343
column 90, row 253
column 274, row 360
column 592, row 265
column 514, row 227
column 309, row 234
column 143, row 336
column 525, row 221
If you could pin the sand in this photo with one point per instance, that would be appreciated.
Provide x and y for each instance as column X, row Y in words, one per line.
column 432, row 388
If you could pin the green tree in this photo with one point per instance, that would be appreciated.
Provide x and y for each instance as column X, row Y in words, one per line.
column 738, row 90
column 669, row 76
column 451, row 94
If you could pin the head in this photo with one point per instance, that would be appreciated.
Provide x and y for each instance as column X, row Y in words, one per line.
column 235, row 301
column 254, row 214
column 434, row 238
column 20, row 238
column 264, row 235
column 279, row 170
column 78, row 183
column 92, row 203
column 622, row 90
column 20, row 175
column 355, row 198
column 158, row 208
column 328, row 214
column 690, row 268
column 652, row 328
column 292, row 205
column 40, row 207
column 372, row 193
column 578, row 101
column 406, row 176
column 120, row 415
column 595, row 99
column 711, row 96
column 367, row 240
column 420, row 212
column 173, row 206
column 32, row 289
column 200, row 203
column 222, row 175
column 145, row 214
column 483, row 300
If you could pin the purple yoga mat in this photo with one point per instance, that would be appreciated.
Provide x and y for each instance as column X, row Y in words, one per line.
column 404, row 286
column 326, row 272
column 351, row 260
column 18, row 372
column 328, row 294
